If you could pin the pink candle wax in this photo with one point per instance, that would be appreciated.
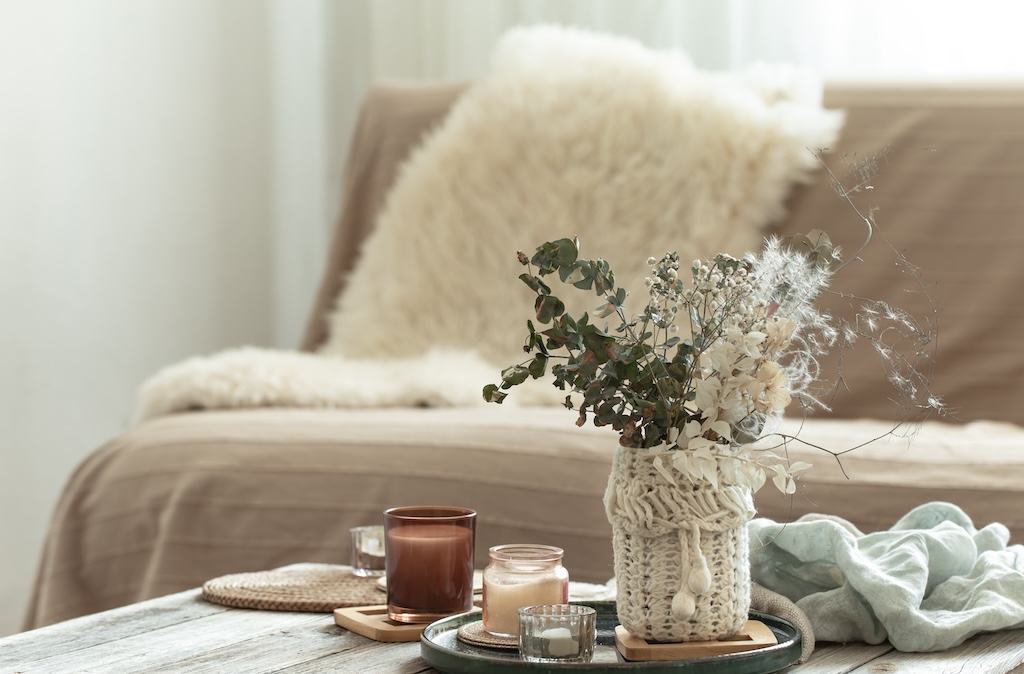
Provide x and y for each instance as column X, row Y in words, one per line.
column 501, row 601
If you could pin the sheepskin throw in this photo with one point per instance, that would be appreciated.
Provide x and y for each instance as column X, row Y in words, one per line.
column 570, row 133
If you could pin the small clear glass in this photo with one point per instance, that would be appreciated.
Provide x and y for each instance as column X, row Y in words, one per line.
column 557, row 633
column 368, row 550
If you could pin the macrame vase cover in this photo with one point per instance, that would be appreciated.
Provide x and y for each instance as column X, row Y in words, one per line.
column 682, row 569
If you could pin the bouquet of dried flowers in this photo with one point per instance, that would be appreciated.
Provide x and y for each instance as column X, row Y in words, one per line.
column 708, row 367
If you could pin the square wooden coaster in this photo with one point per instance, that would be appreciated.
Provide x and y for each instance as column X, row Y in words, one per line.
column 373, row 622
column 755, row 634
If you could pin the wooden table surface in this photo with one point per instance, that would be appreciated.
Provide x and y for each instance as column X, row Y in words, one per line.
column 184, row 633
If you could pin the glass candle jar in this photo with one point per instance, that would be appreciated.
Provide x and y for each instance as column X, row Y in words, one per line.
column 429, row 562
column 517, row 576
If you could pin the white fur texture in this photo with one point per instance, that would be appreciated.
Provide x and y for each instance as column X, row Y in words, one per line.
column 573, row 133
column 252, row 377
column 570, row 133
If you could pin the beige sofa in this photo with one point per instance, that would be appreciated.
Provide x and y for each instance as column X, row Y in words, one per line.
column 187, row 497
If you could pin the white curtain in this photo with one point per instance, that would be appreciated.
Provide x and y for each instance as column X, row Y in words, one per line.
column 843, row 39
column 135, row 213
column 169, row 170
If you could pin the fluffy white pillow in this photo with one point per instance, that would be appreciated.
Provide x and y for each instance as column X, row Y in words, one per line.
column 573, row 133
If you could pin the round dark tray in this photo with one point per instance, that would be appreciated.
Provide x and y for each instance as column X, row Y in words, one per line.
column 441, row 649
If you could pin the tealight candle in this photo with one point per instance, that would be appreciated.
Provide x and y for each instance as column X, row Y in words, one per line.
column 560, row 642
column 557, row 633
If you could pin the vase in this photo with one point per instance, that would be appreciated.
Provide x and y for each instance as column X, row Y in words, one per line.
column 682, row 567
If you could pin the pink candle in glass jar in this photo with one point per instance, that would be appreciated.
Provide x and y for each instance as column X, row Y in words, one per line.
column 521, row 575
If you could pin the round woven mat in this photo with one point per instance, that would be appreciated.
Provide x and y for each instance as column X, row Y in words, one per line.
column 319, row 590
column 474, row 633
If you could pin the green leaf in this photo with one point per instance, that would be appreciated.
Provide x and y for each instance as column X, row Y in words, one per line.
column 493, row 395
column 545, row 259
column 538, row 366
column 572, row 274
column 604, row 279
column 567, row 251
column 588, row 363
column 597, row 342
column 607, row 310
column 548, row 307
column 618, row 353
column 556, row 336
column 679, row 372
column 512, row 376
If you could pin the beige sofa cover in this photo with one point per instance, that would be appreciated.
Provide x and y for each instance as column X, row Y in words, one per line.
column 184, row 498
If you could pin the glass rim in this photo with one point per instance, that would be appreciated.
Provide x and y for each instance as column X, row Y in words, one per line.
column 430, row 513
column 563, row 610
column 529, row 552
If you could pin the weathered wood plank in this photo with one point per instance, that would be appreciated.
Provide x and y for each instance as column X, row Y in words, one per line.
column 839, row 658
column 165, row 646
column 993, row 653
column 375, row 658
column 312, row 647
column 317, row 645
column 100, row 628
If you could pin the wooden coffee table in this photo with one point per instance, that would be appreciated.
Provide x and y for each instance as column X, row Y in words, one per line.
column 183, row 633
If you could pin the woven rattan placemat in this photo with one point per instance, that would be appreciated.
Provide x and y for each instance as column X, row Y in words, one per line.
column 319, row 589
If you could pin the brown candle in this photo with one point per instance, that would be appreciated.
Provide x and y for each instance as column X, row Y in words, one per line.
column 429, row 559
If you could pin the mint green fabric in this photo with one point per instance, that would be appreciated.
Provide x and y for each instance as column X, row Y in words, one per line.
column 927, row 584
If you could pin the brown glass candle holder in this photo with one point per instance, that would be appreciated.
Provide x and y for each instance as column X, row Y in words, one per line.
column 429, row 562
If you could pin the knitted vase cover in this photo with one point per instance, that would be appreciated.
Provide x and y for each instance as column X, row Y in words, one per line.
column 682, row 569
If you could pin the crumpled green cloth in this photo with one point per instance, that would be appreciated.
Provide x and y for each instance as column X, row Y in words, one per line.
column 927, row 584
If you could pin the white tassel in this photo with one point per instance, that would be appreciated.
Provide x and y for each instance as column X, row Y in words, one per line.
column 684, row 602
column 699, row 580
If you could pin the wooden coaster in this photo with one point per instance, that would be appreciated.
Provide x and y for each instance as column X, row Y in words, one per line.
column 316, row 588
column 474, row 633
column 373, row 622
column 754, row 635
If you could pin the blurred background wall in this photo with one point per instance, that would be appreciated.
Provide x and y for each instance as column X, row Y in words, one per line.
column 169, row 171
